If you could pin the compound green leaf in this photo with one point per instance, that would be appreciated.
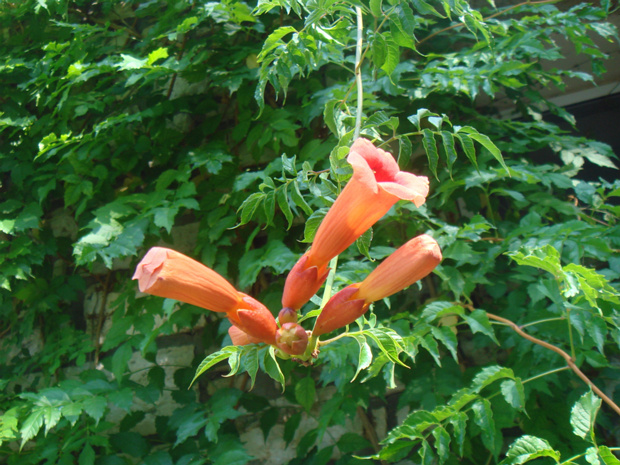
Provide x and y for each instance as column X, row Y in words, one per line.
column 249, row 206
column 430, row 147
column 489, row 375
column 448, row 338
column 272, row 367
column 388, row 341
column 592, row 456
column 483, row 417
column 546, row 258
column 375, row 8
column 459, row 424
column 312, row 224
column 486, row 143
column 479, row 323
column 379, row 51
column 157, row 54
column 448, row 143
column 87, row 456
column 363, row 243
column 95, row 407
column 274, row 40
column 282, row 198
column 392, row 57
column 299, row 200
column 31, row 426
column 442, row 443
column 527, row 448
column 607, row 456
column 512, row 390
column 213, row 359
column 468, row 148
column 584, row 413
column 305, row 392
column 365, row 355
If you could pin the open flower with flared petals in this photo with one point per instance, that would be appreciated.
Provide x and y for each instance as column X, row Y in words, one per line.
column 376, row 185
column 167, row 273
column 410, row 263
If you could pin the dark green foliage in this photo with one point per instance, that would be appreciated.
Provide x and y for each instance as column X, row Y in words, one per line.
column 222, row 129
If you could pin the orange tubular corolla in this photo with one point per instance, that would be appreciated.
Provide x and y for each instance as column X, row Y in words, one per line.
column 376, row 185
column 410, row 263
column 167, row 273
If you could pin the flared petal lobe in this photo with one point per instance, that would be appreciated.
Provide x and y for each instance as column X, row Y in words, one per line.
column 410, row 263
column 167, row 273
column 376, row 185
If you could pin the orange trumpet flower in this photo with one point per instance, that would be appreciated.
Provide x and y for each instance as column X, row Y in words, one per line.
column 410, row 263
column 167, row 273
column 377, row 184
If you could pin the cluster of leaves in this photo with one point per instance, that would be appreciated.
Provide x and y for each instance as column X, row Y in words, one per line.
column 221, row 128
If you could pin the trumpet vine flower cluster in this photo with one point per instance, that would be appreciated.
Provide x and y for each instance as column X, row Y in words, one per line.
column 376, row 185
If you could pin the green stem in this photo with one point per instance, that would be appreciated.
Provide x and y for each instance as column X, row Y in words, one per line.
column 540, row 375
column 572, row 459
column 358, row 73
column 329, row 283
column 546, row 320
column 313, row 342
column 570, row 334
column 335, row 338
column 490, row 210
column 550, row 372
column 361, row 60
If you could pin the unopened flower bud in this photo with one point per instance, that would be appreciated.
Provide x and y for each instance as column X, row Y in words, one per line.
column 410, row 263
column 287, row 315
column 292, row 339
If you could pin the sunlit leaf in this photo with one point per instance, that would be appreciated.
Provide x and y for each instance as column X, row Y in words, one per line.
column 513, row 393
column 213, row 359
column 365, row 356
column 527, row 448
column 584, row 413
